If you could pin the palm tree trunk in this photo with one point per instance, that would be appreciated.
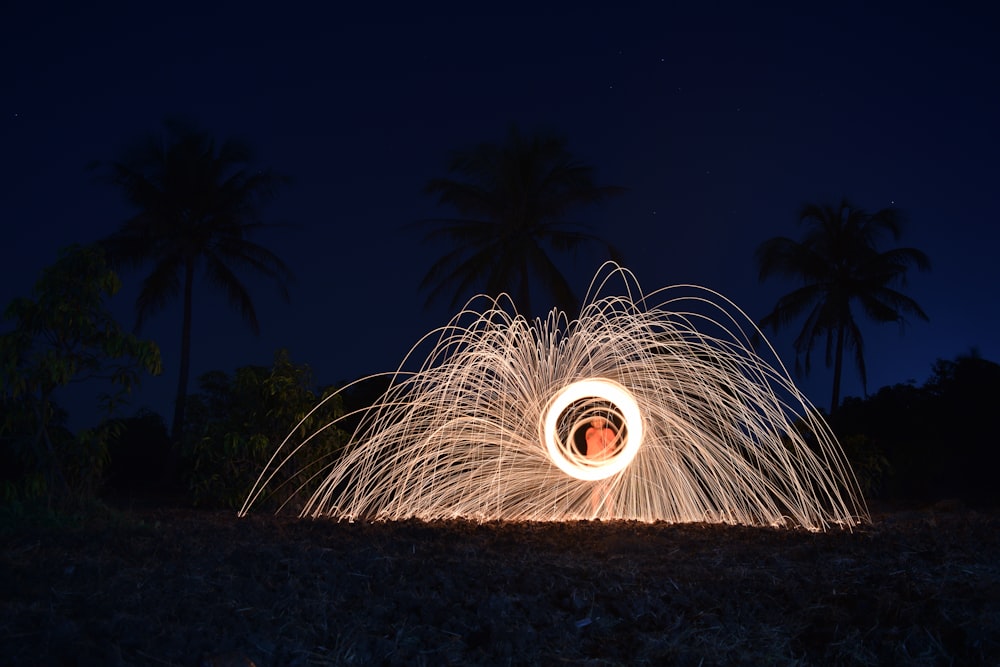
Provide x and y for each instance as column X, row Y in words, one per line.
column 838, row 366
column 177, row 429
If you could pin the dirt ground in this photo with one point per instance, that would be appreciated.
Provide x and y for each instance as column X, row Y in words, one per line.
column 182, row 587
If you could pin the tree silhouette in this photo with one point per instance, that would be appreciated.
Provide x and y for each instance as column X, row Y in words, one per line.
column 236, row 419
column 197, row 204
column 839, row 265
column 63, row 334
column 938, row 440
column 512, row 200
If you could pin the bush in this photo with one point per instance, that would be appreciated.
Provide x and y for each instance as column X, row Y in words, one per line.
column 938, row 440
column 236, row 423
column 869, row 463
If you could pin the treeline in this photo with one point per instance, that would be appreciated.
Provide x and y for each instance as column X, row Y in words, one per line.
column 234, row 422
column 921, row 444
column 909, row 445
column 195, row 203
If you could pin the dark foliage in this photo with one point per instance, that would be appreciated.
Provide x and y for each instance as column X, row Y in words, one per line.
column 939, row 440
column 237, row 422
column 26, row 468
column 514, row 202
column 139, row 459
column 64, row 333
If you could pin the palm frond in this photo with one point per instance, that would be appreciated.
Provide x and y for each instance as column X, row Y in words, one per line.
column 512, row 199
column 161, row 286
column 838, row 262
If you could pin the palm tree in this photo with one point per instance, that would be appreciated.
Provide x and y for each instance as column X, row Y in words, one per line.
column 839, row 265
column 197, row 205
column 512, row 201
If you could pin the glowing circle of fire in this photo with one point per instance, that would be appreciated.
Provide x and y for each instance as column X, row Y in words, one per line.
column 708, row 425
column 561, row 451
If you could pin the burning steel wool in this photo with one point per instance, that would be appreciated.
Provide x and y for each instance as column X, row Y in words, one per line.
column 648, row 407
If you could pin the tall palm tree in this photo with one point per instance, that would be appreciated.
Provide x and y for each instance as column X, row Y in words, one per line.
column 197, row 203
column 512, row 200
column 839, row 265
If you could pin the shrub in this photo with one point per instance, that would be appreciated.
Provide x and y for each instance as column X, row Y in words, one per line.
column 237, row 422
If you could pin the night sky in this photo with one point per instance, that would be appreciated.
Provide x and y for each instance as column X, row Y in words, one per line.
column 721, row 121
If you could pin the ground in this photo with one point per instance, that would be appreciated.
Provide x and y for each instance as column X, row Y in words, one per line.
column 183, row 587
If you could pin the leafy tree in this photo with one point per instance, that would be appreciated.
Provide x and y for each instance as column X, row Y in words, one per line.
column 938, row 440
column 887, row 437
column 839, row 265
column 964, row 393
column 197, row 205
column 868, row 461
column 31, row 468
column 65, row 334
column 513, row 200
column 237, row 422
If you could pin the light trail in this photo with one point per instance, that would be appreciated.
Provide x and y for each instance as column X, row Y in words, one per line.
column 489, row 426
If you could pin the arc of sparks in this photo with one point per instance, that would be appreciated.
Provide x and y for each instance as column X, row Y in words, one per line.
column 487, row 427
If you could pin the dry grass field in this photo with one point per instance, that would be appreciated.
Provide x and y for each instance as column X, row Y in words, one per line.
column 182, row 587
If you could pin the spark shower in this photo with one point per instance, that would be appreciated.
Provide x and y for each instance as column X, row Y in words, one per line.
column 492, row 425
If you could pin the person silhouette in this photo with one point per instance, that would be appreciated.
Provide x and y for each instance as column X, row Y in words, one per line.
column 600, row 437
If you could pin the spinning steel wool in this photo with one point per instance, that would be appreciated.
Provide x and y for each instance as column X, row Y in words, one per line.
column 494, row 423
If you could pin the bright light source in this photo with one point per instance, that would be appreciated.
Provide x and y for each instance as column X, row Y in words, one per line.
column 561, row 448
column 708, row 427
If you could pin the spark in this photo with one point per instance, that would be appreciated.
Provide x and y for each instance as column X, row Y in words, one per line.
column 711, row 427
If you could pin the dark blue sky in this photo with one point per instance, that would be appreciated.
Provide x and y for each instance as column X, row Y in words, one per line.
column 721, row 121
